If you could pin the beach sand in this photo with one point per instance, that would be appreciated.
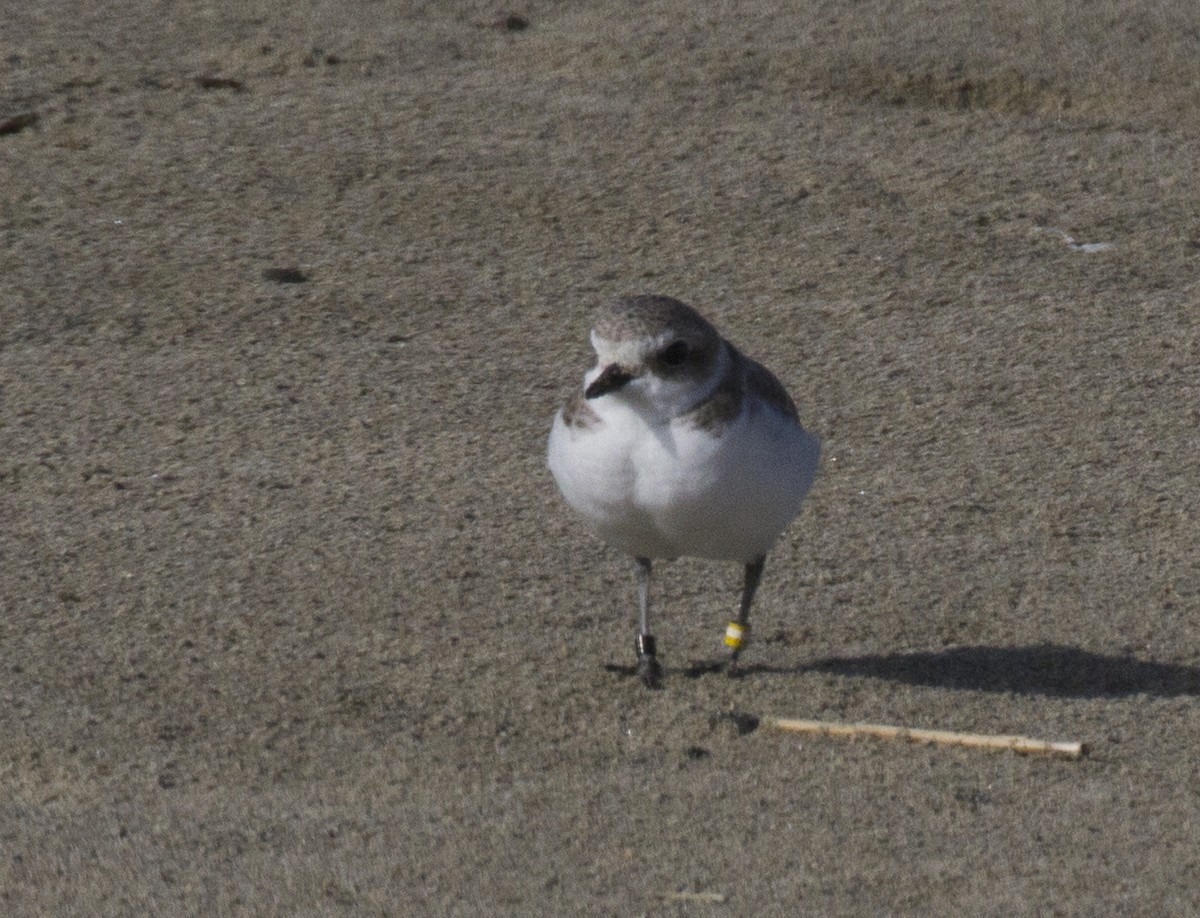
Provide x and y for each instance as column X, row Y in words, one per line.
column 294, row 620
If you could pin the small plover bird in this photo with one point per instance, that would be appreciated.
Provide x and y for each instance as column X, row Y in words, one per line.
column 678, row 444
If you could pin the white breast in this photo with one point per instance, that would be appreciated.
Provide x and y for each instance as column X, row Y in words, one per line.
column 671, row 489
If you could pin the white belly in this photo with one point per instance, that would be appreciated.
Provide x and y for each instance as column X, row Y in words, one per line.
column 671, row 490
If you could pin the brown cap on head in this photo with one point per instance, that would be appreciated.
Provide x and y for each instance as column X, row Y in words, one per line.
column 647, row 316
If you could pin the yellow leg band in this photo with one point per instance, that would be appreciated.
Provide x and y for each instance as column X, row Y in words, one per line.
column 735, row 634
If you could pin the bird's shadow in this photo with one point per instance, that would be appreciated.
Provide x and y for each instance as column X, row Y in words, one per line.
column 1041, row 669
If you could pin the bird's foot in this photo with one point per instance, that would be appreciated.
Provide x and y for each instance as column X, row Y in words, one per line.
column 648, row 669
column 650, row 672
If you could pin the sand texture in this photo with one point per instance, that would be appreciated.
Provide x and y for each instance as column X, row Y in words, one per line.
column 292, row 618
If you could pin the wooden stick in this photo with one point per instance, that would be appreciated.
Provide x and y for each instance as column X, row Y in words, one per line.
column 1019, row 744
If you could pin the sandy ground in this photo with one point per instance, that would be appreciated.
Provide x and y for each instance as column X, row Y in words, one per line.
column 294, row 621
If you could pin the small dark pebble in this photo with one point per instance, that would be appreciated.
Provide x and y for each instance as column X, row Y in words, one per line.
column 218, row 82
column 285, row 275
column 319, row 56
column 512, row 23
column 18, row 123
column 745, row 723
column 697, row 752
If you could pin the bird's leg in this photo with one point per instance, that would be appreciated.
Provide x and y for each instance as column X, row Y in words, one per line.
column 735, row 631
column 647, row 667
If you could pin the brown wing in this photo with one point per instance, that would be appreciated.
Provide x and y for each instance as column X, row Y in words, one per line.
column 744, row 378
column 724, row 403
column 578, row 413
column 762, row 383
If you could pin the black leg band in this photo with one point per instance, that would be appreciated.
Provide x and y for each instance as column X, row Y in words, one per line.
column 646, row 646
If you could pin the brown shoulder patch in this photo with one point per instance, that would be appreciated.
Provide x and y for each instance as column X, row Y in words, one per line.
column 744, row 378
column 725, row 401
column 762, row 383
column 579, row 414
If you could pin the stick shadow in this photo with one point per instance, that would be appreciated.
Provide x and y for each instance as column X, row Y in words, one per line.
column 1042, row 669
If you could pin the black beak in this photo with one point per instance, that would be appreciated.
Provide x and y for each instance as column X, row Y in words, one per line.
column 611, row 378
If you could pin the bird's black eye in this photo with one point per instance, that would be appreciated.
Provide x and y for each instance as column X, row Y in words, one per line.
column 674, row 353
